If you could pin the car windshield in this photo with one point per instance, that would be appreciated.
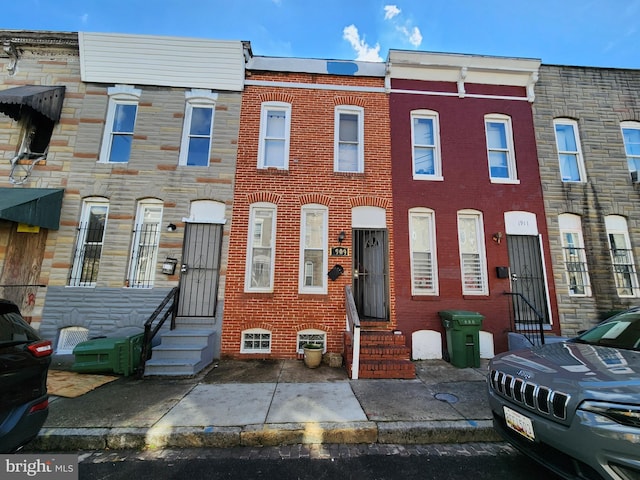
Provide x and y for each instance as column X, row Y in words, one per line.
column 622, row 331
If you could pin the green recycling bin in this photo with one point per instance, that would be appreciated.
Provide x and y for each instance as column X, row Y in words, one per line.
column 463, row 336
column 120, row 355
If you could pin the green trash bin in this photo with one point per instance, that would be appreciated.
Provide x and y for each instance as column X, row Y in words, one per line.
column 120, row 355
column 463, row 336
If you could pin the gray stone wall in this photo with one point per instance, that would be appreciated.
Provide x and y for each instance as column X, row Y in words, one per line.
column 598, row 99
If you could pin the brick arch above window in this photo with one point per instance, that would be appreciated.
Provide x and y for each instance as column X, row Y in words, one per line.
column 367, row 201
column 316, row 198
column 349, row 100
column 263, row 197
column 276, row 97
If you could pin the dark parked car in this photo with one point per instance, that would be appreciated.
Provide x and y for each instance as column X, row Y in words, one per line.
column 574, row 406
column 24, row 363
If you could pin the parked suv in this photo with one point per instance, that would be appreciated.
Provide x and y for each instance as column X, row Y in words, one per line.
column 24, row 362
column 574, row 406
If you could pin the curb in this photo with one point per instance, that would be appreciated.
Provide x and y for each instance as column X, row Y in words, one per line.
column 402, row 433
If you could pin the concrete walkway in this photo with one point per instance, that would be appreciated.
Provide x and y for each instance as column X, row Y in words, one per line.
column 272, row 402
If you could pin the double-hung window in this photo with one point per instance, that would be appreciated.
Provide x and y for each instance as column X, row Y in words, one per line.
column 120, row 123
column 89, row 241
column 275, row 129
column 197, row 131
column 575, row 260
column 473, row 260
column 624, row 269
column 569, row 151
column 261, row 248
column 313, row 248
column 500, row 150
column 146, row 237
column 425, row 141
column 631, row 139
column 349, row 139
column 422, row 244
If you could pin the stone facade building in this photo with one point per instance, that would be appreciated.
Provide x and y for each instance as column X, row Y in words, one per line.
column 587, row 123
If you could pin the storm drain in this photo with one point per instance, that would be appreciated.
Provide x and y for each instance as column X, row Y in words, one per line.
column 446, row 397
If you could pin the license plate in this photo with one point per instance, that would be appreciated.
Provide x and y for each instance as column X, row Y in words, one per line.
column 520, row 423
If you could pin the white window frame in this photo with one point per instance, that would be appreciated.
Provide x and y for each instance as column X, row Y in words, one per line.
column 349, row 110
column 509, row 150
column 118, row 95
column 302, row 287
column 579, row 159
column 311, row 335
column 617, row 225
column 77, row 267
column 574, row 254
column 633, row 159
column 422, row 287
column 146, row 238
column 479, row 282
column 196, row 99
column 263, row 336
column 264, row 119
column 434, row 147
column 255, row 239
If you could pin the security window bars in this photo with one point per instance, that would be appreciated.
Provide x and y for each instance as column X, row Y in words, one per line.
column 313, row 249
column 423, row 258
column 472, row 254
column 500, row 148
column 575, row 265
column 256, row 341
column 631, row 138
column 569, row 152
column 624, row 270
column 275, row 124
column 88, row 250
column 146, row 238
column 426, row 145
column 349, row 133
column 260, row 254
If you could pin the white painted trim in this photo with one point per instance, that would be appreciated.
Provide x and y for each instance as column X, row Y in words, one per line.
column 466, row 95
column 313, row 86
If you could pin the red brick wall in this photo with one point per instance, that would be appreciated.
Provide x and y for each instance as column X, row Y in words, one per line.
column 466, row 185
column 309, row 179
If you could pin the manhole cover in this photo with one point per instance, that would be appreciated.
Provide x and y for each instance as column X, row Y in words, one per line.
column 446, row 397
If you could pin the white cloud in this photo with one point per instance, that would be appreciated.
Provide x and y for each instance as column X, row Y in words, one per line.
column 414, row 36
column 365, row 52
column 391, row 11
column 84, row 18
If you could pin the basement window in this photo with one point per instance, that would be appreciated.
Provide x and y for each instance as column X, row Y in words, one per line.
column 256, row 340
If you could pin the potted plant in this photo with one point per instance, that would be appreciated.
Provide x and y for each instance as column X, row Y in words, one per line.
column 312, row 354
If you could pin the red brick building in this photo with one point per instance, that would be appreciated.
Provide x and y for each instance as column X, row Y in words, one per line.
column 469, row 219
column 312, row 193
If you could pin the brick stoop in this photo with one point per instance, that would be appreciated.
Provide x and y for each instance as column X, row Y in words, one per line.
column 383, row 354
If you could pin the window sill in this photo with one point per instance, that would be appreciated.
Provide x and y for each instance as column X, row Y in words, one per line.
column 273, row 171
column 505, row 181
column 483, row 296
column 429, row 178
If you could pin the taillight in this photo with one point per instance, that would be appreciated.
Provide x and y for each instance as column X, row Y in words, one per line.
column 39, row 406
column 41, row 349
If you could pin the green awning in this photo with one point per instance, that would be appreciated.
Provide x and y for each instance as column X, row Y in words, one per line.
column 33, row 206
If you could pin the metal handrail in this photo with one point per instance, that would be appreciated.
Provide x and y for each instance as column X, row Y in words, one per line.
column 525, row 325
column 353, row 329
column 150, row 331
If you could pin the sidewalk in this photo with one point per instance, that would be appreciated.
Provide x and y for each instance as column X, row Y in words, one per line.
column 272, row 402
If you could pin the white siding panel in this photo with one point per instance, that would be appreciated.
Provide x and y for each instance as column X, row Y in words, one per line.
column 161, row 61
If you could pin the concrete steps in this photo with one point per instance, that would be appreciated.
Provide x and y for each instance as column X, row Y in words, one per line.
column 383, row 354
column 183, row 351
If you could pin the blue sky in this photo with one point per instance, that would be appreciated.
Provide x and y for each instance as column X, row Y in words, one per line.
column 602, row 33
